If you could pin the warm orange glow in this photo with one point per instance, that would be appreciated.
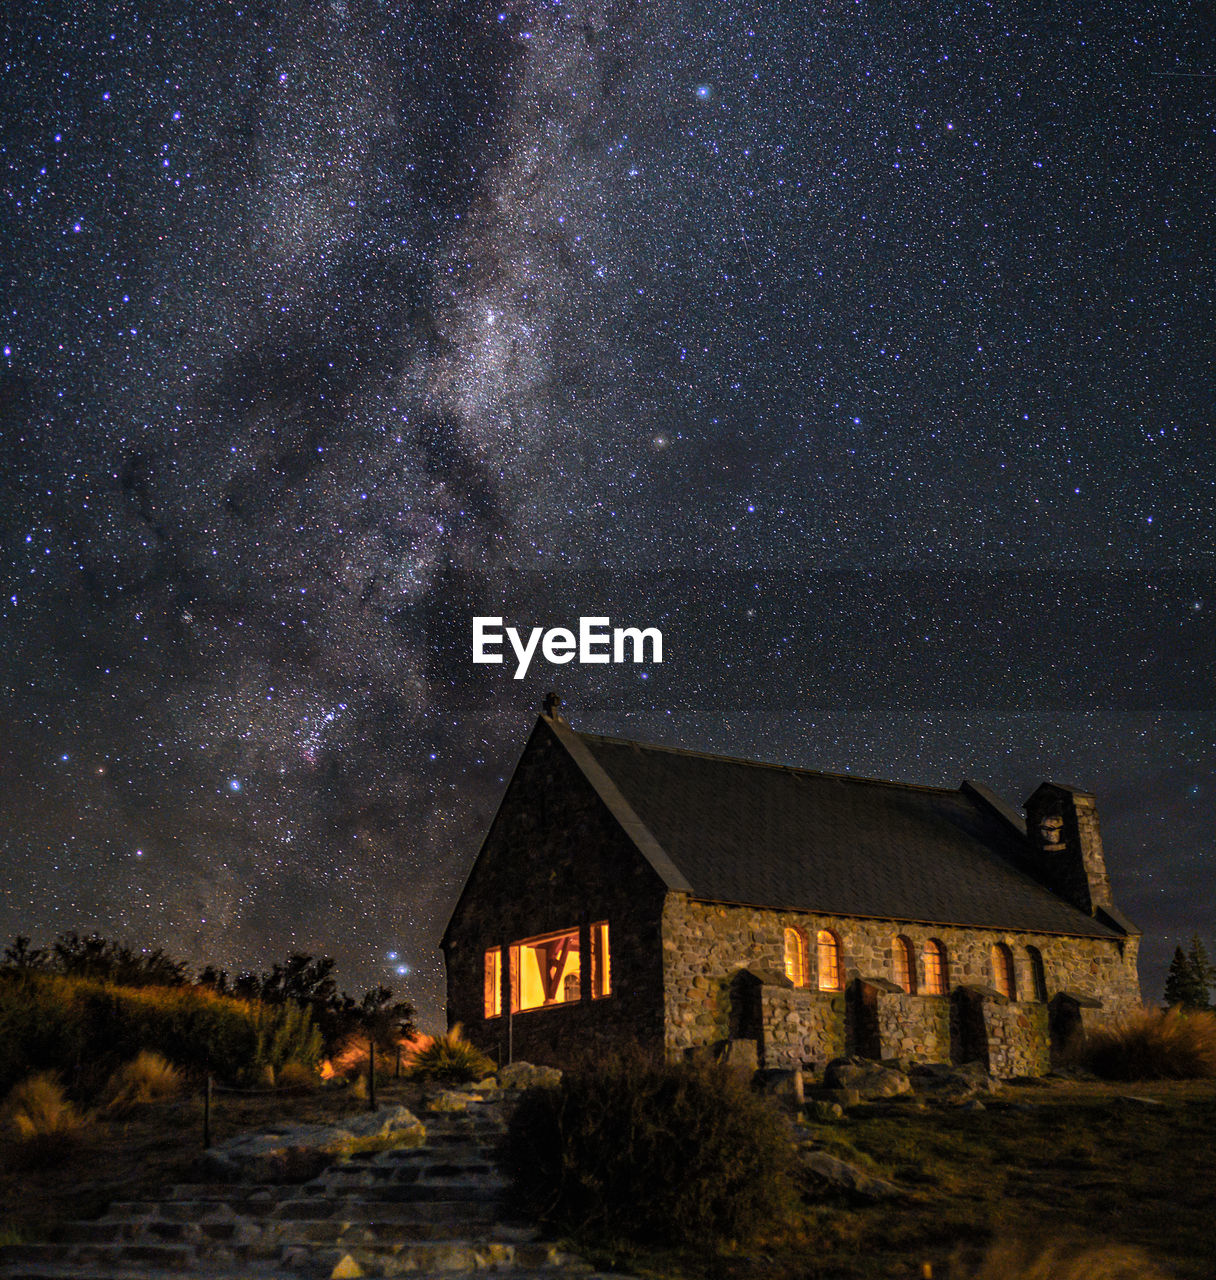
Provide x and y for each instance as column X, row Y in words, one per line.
column 601, row 961
column 1002, row 970
column 935, row 968
column 830, row 975
column 545, row 971
column 903, row 966
column 493, row 983
column 795, row 957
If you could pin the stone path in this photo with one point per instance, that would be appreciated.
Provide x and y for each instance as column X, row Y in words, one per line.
column 425, row 1212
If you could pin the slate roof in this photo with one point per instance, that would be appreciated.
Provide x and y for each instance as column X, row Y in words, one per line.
column 766, row 835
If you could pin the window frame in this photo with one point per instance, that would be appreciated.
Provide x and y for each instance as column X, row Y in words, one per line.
column 828, row 941
column 902, row 946
column 1004, row 976
column 937, row 973
column 800, row 952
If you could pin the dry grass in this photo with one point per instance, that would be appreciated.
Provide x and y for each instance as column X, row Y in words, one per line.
column 450, row 1059
column 1155, row 1045
column 295, row 1075
column 1011, row 1260
column 148, row 1077
column 38, row 1108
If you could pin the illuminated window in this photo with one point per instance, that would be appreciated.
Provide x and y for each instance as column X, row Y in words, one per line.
column 795, row 957
column 601, row 961
column 903, row 966
column 493, row 983
column 1038, row 974
column 936, row 974
column 831, row 977
column 542, row 969
column 1002, row 970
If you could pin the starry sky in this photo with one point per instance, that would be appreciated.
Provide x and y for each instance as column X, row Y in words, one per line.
column 865, row 349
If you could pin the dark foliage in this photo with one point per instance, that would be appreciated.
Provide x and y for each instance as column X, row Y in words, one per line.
column 304, row 980
column 1190, row 978
column 636, row 1149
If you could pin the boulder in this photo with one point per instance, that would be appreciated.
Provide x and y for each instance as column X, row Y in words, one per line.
column 450, row 1100
column 942, row 1080
column 785, row 1086
column 869, row 1078
column 838, row 1175
column 527, row 1075
column 298, row 1152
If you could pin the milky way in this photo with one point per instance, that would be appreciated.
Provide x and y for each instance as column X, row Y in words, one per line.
column 866, row 352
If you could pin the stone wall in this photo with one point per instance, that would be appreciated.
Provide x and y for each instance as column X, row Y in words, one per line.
column 555, row 858
column 1010, row 1038
column 707, row 945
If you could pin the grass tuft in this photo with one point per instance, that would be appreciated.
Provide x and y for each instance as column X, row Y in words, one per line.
column 1014, row 1261
column 449, row 1059
column 148, row 1077
column 1154, row 1044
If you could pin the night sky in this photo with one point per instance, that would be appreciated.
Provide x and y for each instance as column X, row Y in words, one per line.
column 865, row 349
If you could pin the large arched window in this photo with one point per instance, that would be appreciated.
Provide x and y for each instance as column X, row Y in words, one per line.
column 1002, row 970
column 796, row 969
column 831, row 971
column 903, row 964
column 937, row 973
column 1038, row 975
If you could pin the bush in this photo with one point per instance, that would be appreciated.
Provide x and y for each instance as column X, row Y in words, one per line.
column 1154, row 1044
column 38, row 1109
column 450, row 1059
column 1011, row 1261
column 295, row 1075
column 148, row 1077
column 86, row 1030
column 632, row 1148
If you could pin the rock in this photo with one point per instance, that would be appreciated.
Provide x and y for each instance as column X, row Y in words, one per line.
column 870, row 1079
column 526, row 1075
column 1138, row 1100
column 839, row 1175
column 827, row 1111
column 973, row 1104
column 943, row 1080
column 298, row 1152
column 451, row 1100
column 397, row 1121
column 785, row 1086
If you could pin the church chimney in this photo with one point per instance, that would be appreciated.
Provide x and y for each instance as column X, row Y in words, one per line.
column 1062, row 827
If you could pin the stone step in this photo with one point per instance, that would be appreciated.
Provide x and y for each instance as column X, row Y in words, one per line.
column 405, row 1213
column 119, row 1254
column 481, row 1192
column 391, row 1259
column 149, row 1230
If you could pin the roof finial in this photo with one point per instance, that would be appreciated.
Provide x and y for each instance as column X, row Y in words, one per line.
column 550, row 705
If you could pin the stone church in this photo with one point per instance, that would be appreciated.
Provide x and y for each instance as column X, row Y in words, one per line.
column 781, row 915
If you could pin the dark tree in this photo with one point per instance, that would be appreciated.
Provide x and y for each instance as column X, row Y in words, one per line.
column 22, row 956
column 1189, row 978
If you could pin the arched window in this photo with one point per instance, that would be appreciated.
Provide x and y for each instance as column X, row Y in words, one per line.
column 903, row 964
column 1038, row 975
column 937, row 974
column 1002, row 970
column 795, row 957
column 831, row 972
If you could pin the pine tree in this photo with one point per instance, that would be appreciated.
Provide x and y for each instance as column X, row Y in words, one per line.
column 1202, row 968
column 1189, row 975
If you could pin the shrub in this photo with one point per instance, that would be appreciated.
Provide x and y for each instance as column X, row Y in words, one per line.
column 37, row 1109
column 449, row 1058
column 148, row 1077
column 633, row 1148
column 1154, row 1044
column 86, row 1029
column 1012, row 1261
column 295, row 1075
